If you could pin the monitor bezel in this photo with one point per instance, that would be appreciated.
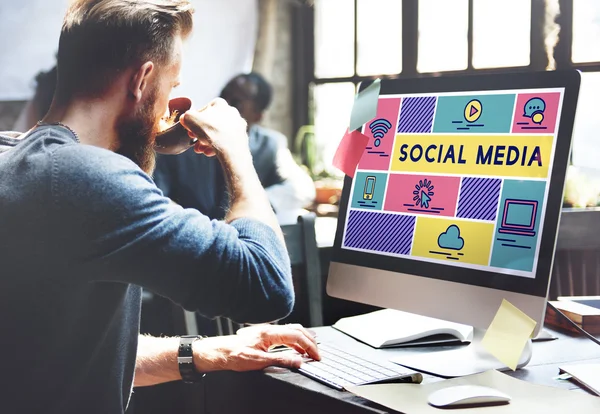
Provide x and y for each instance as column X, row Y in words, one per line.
column 538, row 286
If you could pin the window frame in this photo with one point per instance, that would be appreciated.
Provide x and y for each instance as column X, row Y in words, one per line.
column 304, row 22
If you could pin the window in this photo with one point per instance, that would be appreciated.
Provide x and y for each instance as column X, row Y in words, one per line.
column 443, row 29
column 501, row 33
column 334, row 38
column 586, row 132
column 379, row 37
column 586, row 31
column 583, row 28
column 333, row 104
column 357, row 40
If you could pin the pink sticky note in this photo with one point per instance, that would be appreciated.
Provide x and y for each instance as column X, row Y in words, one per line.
column 349, row 151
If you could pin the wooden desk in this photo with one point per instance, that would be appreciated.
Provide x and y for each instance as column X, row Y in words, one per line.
column 283, row 391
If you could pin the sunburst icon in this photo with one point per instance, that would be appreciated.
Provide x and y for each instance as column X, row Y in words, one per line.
column 423, row 193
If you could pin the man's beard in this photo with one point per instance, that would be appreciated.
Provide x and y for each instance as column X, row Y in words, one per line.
column 137, row 135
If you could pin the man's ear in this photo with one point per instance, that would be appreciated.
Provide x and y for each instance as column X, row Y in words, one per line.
column 139, row 80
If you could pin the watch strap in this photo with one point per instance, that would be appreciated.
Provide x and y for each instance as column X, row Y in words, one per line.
column 185, row 359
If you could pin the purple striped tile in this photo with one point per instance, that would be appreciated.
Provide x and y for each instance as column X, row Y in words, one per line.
column 416, row 114
column 478, row 198
column 381, row 232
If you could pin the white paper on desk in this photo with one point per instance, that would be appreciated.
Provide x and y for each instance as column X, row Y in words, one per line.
column 526, row 397
column 587, row 374
column 388, row 327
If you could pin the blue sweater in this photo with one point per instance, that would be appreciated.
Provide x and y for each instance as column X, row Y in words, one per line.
column 82, row 229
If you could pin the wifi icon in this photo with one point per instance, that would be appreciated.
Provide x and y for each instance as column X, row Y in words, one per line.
column 379, row 128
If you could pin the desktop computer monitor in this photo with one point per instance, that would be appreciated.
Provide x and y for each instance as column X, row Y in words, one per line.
column 456, row 201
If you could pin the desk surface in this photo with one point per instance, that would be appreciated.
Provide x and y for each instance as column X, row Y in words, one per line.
column 278, row 390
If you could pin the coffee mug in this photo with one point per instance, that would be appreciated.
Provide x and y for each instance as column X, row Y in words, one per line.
column 175, row 139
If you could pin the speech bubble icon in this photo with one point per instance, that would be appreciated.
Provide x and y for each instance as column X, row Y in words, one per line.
column 534, row 106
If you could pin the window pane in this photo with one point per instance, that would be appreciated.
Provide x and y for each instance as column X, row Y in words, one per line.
column 586, row 31
column 332, row 105
column 334, row 38
column 379, row 37
column 586, row 131
column 443, row 27
column 501, row 33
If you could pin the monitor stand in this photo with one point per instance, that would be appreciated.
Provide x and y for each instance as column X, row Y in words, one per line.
column 458, row 362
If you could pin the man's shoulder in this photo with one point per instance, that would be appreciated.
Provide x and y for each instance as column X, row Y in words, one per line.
column 95, row 166
column 93, row 156
column 8, row 140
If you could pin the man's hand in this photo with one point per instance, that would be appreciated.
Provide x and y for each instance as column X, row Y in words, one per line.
column 249, row 349
column 218, row 127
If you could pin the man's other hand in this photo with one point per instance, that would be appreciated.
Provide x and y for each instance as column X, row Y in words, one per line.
column 249, row 349
column 218, row 127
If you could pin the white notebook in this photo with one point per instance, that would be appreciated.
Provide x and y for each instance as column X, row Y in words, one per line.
column 392, row 328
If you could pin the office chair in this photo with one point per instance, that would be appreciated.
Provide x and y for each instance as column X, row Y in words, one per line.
column 301, row 243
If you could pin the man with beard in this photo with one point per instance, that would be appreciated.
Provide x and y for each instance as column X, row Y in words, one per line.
column 83, row 228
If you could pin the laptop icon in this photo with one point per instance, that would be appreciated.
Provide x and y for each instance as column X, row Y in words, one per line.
column 519, row 217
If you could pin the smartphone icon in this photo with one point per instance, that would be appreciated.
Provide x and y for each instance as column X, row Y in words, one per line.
column 369, row 188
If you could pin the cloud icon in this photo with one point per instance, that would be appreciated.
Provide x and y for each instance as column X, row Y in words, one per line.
column 451, row 239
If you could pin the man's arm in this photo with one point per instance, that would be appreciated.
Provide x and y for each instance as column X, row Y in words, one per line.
column 157, row 357
column 123, row 229
column 228, row 140
column 156, row 361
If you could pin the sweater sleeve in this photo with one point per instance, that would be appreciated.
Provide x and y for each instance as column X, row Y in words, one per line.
column 119, row 227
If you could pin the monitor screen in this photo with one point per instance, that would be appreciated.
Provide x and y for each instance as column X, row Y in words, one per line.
column 455, row 184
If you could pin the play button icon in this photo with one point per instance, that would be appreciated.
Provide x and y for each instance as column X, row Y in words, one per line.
column 473, row 110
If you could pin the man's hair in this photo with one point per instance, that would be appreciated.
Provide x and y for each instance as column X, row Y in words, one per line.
column 101, row 38
column 261, row 92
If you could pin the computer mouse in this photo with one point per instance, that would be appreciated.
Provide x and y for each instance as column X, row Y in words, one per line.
column 467, row 395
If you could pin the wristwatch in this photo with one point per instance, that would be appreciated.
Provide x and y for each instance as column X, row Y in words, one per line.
column 185, row 359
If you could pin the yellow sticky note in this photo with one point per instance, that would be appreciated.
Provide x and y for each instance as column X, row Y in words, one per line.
column 508, row 334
